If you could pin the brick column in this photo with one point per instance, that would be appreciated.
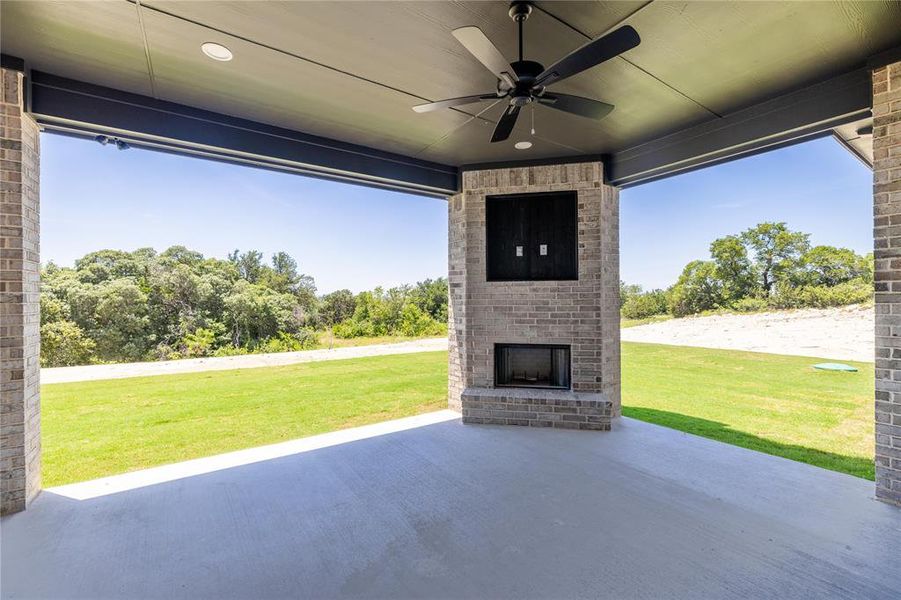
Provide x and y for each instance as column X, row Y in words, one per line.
column 456, row 309
column 887, row 239
column 20, row 409
column 582, row 313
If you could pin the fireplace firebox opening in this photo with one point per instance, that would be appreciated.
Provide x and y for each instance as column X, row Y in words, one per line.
column 532, row 365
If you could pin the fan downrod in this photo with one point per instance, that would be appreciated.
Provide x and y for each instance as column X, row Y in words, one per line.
column 526, row 70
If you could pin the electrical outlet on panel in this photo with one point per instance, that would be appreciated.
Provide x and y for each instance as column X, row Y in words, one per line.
column 519, row 251
column 542, row 249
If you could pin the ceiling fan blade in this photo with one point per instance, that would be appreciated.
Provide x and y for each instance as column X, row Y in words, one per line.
column 505, row 124
column 584, row 107
column 429, row 107
column 589, row 55
column 486, row 53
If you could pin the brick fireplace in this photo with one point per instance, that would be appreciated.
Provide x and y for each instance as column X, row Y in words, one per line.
column 534, row 297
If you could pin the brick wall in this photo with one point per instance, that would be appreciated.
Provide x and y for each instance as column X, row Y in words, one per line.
column 887, row 237
column 20, row 418
column 456, row 310
column 583, row 314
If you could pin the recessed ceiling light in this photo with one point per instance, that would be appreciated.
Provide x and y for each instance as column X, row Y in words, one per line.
column 522, row 145
column 216, row 51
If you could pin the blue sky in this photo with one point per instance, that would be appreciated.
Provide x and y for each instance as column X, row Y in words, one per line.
column 817, row 187
column 96, row 197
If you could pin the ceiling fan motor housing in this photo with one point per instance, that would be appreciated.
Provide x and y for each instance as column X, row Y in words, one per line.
column 527, row 70
column 522, row 92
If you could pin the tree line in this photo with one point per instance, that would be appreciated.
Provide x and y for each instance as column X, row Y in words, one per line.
column 118, row 306
column 765, row 266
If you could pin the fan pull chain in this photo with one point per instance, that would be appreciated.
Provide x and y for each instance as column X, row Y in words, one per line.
column 533, row 118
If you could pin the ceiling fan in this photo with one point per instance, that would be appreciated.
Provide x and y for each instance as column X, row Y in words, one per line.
column 526, row 81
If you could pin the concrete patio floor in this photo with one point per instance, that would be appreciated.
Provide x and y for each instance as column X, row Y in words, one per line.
column 447, row 510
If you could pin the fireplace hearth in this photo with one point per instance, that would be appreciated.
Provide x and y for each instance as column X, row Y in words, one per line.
column 531, row 365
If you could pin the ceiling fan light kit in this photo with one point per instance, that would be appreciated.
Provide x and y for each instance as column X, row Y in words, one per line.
column 525, row 81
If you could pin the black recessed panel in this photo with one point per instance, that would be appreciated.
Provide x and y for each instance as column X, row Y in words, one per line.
column 531, row 237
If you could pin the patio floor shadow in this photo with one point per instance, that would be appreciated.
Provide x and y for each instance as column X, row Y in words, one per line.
column 456, row 511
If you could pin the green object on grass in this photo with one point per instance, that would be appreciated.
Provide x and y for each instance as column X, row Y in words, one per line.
column 835, row 367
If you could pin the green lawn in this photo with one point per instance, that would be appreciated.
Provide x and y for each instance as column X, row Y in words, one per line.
column 767, row 402
column 97, row 428
column 774, row 404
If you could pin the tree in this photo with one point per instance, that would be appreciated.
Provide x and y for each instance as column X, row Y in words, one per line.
column 733, row 268
column 371, row 311
column 250, row 264
column 114, row 315
column 53, row 309
column 212, row 289
column 64, row 344
column 283, row 276
column 104, row 265
column 144, row 255
column 698, row 289
column 174, row 303
column 777, row 251
column 199, row 343
column 415, row 322
column 254, row 312
column 284, row 265
column 140, row 305
column 396, row 311
column 62, row 285
column 337, row 306
column 645, row 304
column 627, row 291
column 870, row 260
column 178, row 255
column 431, row 297
column 831, row 266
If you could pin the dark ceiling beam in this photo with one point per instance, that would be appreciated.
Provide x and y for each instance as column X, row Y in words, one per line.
column 886, row 57
column 13, row 63
column 802, row 115
column 78, row 108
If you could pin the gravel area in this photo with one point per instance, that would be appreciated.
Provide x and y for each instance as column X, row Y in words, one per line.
column 224, row 363
column 844, row 333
